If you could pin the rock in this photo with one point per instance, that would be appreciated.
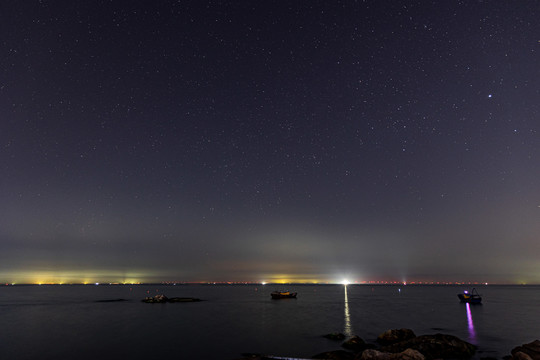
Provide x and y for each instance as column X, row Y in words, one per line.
column 164, row 299
column 532, row 350
column 334, row 336
column 408, row 354
column 156, row 299
column 335, row 355
column 355, row 343
column 182, row 299
column 394, row 336
column 438, row 346
column 520, row 356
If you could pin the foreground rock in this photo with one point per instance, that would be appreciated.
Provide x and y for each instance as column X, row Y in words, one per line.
column 530, row 351
column 335, row 355
column 163, row 299
column 438, row 346
column 409, row 347
column 393, row 336
column 408, row 354
column 355, row 344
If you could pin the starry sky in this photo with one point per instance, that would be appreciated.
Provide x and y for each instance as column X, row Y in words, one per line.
column 305, row 141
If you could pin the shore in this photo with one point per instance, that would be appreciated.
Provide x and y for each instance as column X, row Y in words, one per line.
column 403, row 344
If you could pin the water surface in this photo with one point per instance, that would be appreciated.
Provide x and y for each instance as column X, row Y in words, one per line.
column 65, row 322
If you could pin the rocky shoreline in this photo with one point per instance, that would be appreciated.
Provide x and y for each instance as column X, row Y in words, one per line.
column 403, row 344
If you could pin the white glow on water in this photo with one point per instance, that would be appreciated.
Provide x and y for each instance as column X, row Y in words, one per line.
column 348, row 330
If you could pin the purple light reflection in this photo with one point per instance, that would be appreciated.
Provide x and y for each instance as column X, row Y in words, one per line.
column 470, row 324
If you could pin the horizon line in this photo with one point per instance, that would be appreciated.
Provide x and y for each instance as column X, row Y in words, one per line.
column 363, row 283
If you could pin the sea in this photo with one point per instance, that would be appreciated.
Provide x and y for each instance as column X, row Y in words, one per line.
column 78, row 322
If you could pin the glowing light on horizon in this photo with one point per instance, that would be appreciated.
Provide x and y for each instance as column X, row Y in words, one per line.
column 107, row 276
column 292, row 278
column 63, row 277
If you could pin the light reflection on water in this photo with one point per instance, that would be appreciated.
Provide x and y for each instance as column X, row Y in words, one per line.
column 348, row 330
column 470, row 324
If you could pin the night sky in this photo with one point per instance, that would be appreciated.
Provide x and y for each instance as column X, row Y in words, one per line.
column 304, row 141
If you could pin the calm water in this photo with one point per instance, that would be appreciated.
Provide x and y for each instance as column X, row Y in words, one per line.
column 66, row 322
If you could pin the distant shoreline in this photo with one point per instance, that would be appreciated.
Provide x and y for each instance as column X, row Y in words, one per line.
column 267, row 284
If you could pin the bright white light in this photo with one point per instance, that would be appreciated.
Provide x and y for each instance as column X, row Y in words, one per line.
column 345, row 282
column 263, row 283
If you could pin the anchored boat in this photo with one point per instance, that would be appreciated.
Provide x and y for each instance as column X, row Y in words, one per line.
column 283, row 295
column 472, row 297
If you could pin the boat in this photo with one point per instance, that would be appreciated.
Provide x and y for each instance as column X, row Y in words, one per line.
column 283, row 295
column 470, row 297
